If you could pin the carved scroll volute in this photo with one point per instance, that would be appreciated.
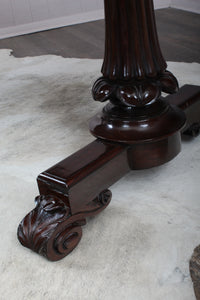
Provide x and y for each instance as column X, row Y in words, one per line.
column 49, row 229
column 134, row 70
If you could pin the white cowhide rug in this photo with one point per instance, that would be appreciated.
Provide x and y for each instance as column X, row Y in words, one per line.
column 140, row 246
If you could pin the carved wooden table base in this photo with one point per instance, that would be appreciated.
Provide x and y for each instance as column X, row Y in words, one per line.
column 137, row 129
column 77, row 187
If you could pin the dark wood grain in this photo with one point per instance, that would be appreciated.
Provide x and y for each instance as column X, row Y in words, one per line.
column 134, row 76
column 132, row 50
column 86, row 173
column 72, row 190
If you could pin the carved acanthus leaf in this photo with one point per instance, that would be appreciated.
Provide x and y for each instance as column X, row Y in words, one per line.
column 168, row 82
column 49, row 229
column 103, row 90
column 134, row 93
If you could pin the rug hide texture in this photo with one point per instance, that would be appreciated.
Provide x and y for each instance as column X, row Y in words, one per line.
column 139, row 247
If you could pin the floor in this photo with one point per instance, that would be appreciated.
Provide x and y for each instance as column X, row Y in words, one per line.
column 178, row 33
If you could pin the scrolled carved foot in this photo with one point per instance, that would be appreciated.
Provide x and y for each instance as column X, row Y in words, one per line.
column 195, row 271
column 49, row 229
column 193, row 130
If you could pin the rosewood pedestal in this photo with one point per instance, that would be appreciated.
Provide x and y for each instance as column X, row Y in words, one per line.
column 137, row 129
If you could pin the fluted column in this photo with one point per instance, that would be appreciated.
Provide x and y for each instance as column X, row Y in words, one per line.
column 134, row 70
column 134, row 76
column 132, row 50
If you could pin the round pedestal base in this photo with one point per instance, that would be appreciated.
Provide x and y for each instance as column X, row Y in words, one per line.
column 132, row 126
column 153, row 132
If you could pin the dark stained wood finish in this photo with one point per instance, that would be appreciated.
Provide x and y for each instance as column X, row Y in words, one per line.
column 51, row 230
column 188, row 99
column 132, row 50
column 138, row 129
column 175, row 27
column 85, row 174
column 134, row 75
column 134, row 70
column 147, row 155
column 72, row 190
column 77, row 187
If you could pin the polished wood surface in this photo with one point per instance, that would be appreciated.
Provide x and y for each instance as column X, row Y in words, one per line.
column 77, row 187
column 134, row 70
column 137, row 129
column 72, row 190
column 188, row 99
column 85, row 174
column 132, row 50
column 134, row 76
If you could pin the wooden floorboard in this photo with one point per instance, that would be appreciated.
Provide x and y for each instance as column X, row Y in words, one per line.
column 178, row 33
